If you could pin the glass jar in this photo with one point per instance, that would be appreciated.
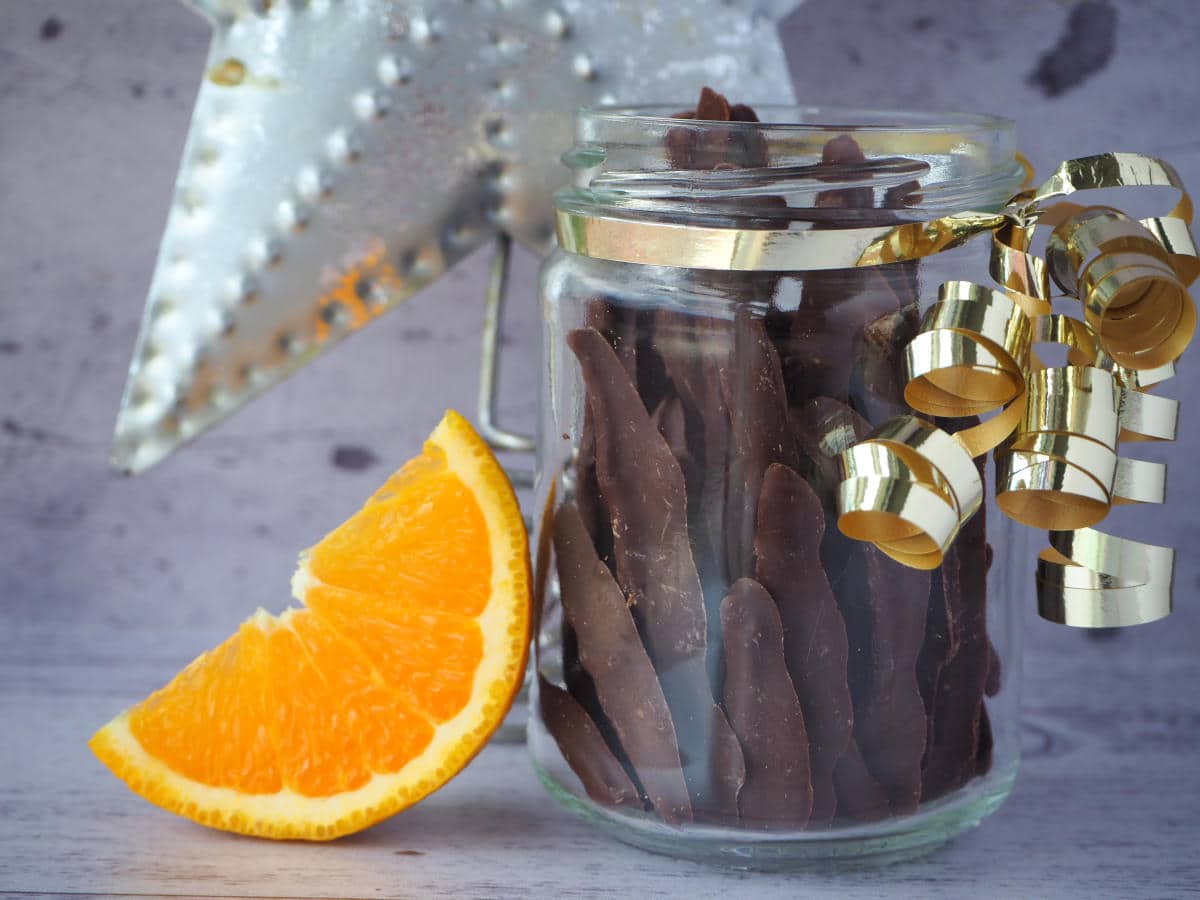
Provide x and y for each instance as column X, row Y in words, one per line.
column 722, row 675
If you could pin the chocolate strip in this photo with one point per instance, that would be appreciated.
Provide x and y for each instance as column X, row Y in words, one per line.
column 837, row 306
column 884, row 608
column 889, row 714
column 840, row 151
column 757, row 400
column 716, row 148
column 584, row 749
column 957, row 697
column 823, row 347
column 787, row 548
column 713, row 107
column 859, row 796
column 940, row 644
column 618, row 324
column 987, row 742
column 883, row 605
column 668, row 420
column 877, row 382
column 764, row 711
column 605, row 317
column 582, row 688
column 643, row 486
column 823, row 428
column 992, row 686
column 695, row 350
column 612, row 653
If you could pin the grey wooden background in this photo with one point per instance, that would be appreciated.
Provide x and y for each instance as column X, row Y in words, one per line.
column 108, row 584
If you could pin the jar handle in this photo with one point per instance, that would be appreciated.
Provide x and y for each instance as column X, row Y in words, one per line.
column 497, row 437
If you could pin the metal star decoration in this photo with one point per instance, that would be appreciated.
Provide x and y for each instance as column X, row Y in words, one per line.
column 344, row 153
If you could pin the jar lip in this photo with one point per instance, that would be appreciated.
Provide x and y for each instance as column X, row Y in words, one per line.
column 794, row 119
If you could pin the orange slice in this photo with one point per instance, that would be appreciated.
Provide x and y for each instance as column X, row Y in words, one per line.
column 405, row 657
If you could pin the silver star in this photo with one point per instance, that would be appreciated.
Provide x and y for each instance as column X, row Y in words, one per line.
column 344, row 153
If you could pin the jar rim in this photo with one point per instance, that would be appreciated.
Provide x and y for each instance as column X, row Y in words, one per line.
column 790, row 118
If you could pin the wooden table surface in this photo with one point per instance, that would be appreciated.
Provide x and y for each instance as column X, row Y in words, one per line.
column 1107, row 804
column 109, row 585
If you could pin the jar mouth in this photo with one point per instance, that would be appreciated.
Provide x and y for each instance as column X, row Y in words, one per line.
column 912, row 165
column 805, row 120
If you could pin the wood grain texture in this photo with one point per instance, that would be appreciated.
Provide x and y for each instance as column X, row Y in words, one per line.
column 92, row 122
column 1105, row 807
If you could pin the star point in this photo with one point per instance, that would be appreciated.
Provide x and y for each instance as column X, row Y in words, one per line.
column 343, row 154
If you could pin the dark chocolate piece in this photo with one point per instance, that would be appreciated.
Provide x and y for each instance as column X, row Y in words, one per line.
column 643, row 487
column 716, row 148
column 957, row 696
column 668, row 419
column 764, row 711
column 740, row 112
column 787, row 548
column 843, row 150
column 695, row 351
column 940, row 643
column 582, row 688
column 653, row 383
column 827, row 329
column 612, row 653
column 587, row 490
column 713, row 107
column 877, row 383
column 757, row 401
column 902, row 279
column 889, row 714
column 883, row 604
column 584, row 748
column 836, row 306
column 992, row 686
column 822, row 428
column 987, row 742
column 618, row 324
column 859, row 796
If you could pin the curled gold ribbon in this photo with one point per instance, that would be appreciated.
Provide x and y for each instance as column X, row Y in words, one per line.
column 1055, row 430
column 1089, row 579
column 908, row 490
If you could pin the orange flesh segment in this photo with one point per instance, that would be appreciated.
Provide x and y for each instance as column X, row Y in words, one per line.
column 388, row 731
column 429, row 657
column 420, row 539
column 378, row 690
column 228, row 744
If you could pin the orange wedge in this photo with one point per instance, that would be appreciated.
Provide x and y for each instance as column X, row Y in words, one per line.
column 405, row 657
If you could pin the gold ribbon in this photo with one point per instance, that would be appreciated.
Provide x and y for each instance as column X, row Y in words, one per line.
column 910, row 486
column 1055, row 431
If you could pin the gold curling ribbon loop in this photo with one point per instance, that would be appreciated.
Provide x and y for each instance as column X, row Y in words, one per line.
column 1133, row 299
column 1139, row 481
column 1089, row 579
column 1015, row 267
column 910, row 486
column 1109, row 170
column 907, row 489
column 968, row 359
column 1176, row 239
column 1145, row 417
column 1057, row 472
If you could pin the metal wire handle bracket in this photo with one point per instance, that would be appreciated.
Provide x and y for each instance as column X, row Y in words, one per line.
column 498, row 437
